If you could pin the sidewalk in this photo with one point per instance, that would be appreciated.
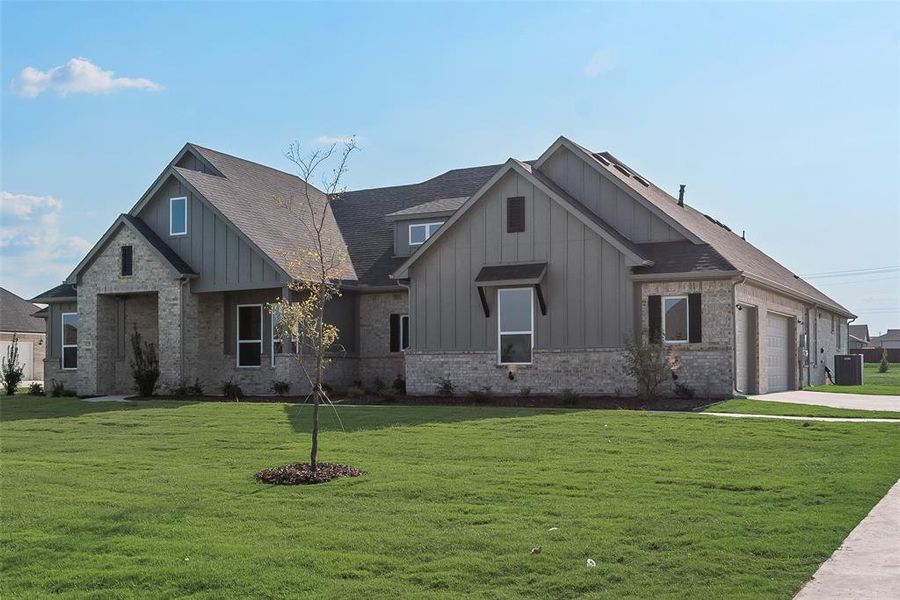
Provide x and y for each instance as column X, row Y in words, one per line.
column 857, row 401
column 867, row 564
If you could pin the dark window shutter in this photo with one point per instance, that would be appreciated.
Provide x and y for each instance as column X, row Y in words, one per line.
column 654, row 314
column 695, row 319
column 404, row 343
column 395, row 333
column 515, row 214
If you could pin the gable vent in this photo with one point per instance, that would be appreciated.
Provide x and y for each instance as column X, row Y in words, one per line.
column 515, row 214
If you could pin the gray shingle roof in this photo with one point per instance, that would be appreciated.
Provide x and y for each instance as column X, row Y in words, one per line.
column 263, row 203
column 682, row 257
column 62, row 292
column 861, row 332
column 435, row 206
column 16, row 314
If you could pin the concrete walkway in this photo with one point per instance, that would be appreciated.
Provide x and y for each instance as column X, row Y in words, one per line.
column 786, row 417
column 106, row 399
column 867, row 564
column 858, row 401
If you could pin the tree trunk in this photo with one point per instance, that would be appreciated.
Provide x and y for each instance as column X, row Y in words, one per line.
column 317, row 391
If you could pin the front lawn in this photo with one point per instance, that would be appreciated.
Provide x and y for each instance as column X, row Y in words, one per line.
column 875, row 383
column 764, row 407
column 157, row 499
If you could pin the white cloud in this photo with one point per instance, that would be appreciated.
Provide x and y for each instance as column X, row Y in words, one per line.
column 78, row 76
column 327, row 140
column 602, row 61
column 33, row 244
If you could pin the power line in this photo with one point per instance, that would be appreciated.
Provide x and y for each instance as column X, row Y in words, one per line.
column 868, row 271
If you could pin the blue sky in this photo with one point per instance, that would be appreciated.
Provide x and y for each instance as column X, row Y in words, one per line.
column 782, row 119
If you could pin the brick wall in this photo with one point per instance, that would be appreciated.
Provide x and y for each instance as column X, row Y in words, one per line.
column 375, row 357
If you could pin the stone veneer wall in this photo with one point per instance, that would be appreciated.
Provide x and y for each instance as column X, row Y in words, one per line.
column 705, row 366
column 376, row 361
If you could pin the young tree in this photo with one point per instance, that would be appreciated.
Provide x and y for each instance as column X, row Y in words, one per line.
column 318, row 268
column 144, row 364
column 12, row 370
column 883, row 366
column 650, row 364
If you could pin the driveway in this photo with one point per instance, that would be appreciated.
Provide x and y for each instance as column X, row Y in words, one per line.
column 858, row 401
column 867, row 564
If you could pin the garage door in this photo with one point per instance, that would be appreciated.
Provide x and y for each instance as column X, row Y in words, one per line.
column 778, row 362
column 26, row 356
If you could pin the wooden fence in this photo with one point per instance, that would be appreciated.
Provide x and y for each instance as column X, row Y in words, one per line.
column 873, row 355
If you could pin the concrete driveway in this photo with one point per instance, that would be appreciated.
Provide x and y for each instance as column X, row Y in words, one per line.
column 858, row 401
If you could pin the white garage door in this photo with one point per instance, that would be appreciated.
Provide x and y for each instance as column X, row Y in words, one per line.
column 778, row 362
column 26, row 356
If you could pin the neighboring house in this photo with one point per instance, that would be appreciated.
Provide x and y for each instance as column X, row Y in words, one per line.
column 17, row 317
column 890, row 339
column 859, row 337
column 521, row 275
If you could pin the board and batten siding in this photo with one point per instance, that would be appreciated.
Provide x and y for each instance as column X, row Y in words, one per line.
column 54, row 327
column 588, row 290
column 606, row 199
column 212, row 247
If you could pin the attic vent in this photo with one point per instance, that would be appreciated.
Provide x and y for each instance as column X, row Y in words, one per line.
column 641, row 180
column 602, row 160
column 623, row 169
column 515, row 214
column 719, row 223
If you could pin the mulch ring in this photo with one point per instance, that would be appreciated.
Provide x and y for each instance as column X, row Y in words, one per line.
column 303, row 473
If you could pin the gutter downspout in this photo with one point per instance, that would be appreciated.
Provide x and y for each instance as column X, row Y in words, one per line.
column 736, row 283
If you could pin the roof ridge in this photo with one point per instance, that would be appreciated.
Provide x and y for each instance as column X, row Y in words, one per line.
column 246, row 160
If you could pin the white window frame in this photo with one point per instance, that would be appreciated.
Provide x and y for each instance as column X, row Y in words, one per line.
column 500, row 333
column 63, row 345
column 171, row 212
column 430, row 228
column 295, row 341
column 687, row 319
column 404, row 326
column 237, row 336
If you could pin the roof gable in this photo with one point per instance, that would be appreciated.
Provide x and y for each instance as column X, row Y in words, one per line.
column 591, row 220
column 17, row 314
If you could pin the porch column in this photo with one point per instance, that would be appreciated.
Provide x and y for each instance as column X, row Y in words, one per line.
column 177, row 335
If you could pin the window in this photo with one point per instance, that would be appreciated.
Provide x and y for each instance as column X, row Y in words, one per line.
column 178, row 216
column 278, row 338
column 249, row 335
column 420, row 232
column 70, row 340
column 515, row 326
column 126, row 264
column 515, row 214
column 675, row 319
column 399, row 335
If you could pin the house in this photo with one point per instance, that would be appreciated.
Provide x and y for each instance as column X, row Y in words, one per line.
column 17, row 318
column 890, row 339
column 859, row 337
column 521, row 275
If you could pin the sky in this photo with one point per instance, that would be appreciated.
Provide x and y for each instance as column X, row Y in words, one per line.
column 783, row 120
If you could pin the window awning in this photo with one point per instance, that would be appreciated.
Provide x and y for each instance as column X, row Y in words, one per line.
column 517, row 274
column 522, row 274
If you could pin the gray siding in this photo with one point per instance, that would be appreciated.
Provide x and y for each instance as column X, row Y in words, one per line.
column 54, row 327
column 588, row 289
column 401, row 235
column 606, row 199
column 212, row 247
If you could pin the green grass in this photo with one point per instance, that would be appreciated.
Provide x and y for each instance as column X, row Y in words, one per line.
column 762, row 407
column 875, row 383
column 157, row 500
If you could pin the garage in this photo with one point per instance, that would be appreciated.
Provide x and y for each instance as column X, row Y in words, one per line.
column 26, row 357
column 778, row 355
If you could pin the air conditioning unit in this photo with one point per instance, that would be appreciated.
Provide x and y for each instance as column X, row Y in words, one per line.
column 848, row 369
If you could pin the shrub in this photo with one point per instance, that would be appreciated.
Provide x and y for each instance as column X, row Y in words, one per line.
column 883, row 366
column 482, row 394
column 281, row 387
column 650, row 364
column 36, row 389
column 56, row 388
column 185, row 389
column 399, row 385
column 355, row 391
column 387, row 393
column 569, row 397
column 232, row 391
column 12, row 370
column 144, row 365
column 525, row 392
column 377, row 384
column 445, row 387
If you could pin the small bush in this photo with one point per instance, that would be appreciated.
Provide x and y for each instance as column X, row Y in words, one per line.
column 445, row 387
column 568, row 397
column 483, row 394
column 650, row 364
column 399, row 385
column 884, row 365
column 144, row 365
column 281, row 387
column 232, row 391
column 377, row 384
column 525, row 392
column 355, row 391
column 683, row 391
column 36, row 389
column 56, row 388
column 184, row 389
column 12, row 370
column 387, row 393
